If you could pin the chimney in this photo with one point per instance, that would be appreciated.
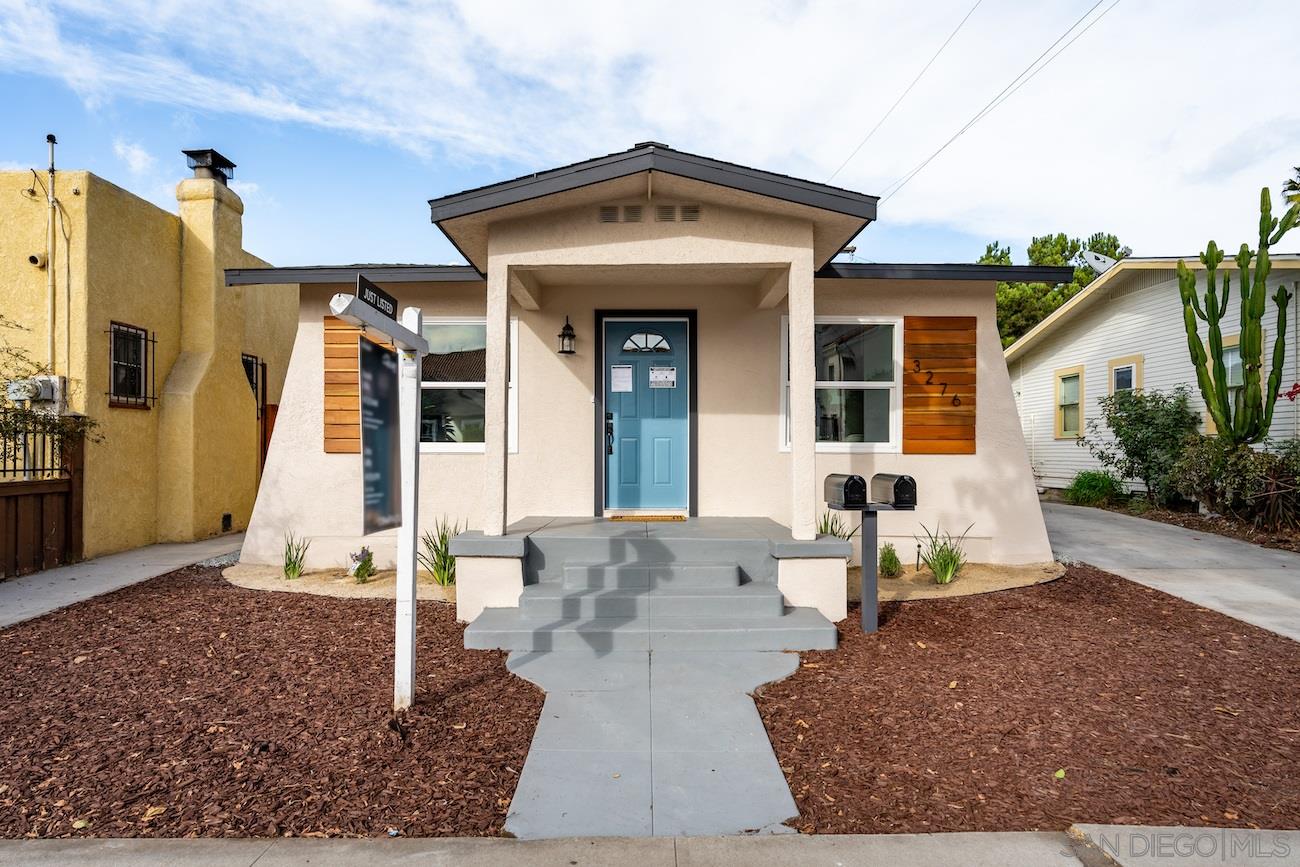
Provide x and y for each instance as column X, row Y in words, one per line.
column 209, row 164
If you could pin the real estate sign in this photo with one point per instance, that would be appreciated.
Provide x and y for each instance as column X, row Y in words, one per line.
column 381, row 466
column 376, row 297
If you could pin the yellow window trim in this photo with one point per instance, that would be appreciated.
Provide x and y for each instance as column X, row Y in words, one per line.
column 1229, row 341
column 1059, row 416
column 1134, row 361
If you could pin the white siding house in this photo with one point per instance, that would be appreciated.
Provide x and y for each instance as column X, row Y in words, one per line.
column 1126, row 330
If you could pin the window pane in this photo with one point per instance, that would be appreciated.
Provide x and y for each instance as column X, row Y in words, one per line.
column 457, row 352
column 1124, row 378
column 1070, row 419
column 647, row 341
column 1232, row 361
column 855, row 353
column 1069, row 389
column 853, row 415
column 452, row 415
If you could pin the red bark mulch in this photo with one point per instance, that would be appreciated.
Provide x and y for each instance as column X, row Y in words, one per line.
column 184, row 706
column 959, row 714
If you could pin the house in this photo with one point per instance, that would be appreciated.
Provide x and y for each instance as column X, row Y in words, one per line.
column 1124, row 330
column 724, row 364
column 181, row 373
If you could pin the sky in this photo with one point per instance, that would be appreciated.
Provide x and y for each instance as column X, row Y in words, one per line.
column 1160, row 120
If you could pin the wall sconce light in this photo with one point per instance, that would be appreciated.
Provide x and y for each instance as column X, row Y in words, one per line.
column 566, row 336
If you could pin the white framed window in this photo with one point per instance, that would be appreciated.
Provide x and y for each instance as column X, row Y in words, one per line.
column 453, row 386
column 859, row 362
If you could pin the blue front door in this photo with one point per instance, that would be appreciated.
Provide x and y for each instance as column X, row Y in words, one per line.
column 647, row 414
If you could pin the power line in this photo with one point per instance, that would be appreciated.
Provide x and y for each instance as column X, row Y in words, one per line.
column 1015, row 84
column 904, row 94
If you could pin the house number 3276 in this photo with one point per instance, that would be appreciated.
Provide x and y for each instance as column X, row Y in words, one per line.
column 929, row 380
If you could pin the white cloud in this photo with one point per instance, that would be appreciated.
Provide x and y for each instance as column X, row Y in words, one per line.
column 138, row 160
column 9, row 166
column 1145, row 127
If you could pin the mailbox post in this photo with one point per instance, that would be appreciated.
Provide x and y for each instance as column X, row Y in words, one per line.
column 888, row 493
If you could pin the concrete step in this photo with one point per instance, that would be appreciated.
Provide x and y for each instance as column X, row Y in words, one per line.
column 552, row 601
column 650, row 575
column 549, row 554
column 795, row 629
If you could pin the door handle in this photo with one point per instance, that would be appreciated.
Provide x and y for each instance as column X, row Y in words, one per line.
column 609, row 433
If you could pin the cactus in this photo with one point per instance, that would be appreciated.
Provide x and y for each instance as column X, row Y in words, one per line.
column 1246, row 419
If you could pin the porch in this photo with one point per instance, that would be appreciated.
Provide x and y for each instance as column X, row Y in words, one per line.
column 713, row 583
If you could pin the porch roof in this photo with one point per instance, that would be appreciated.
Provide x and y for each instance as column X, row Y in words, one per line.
column 654, row 157
column 837, row 214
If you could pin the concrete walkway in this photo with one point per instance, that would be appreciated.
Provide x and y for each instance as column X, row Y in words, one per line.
column 640, row 744
column 1258, row 585
column 1087, row 845
column 42, row 592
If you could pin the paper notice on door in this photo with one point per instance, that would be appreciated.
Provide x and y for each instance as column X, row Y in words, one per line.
column 663, row 377
column 620, row 378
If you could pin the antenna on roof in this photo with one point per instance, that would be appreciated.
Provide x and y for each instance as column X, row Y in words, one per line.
column 1097, row 261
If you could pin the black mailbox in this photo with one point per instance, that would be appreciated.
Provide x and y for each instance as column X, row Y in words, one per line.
column 893, row 489
column 845, row 492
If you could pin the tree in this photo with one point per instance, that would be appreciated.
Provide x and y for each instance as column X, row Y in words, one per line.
column 1021, row 306
column 1243, row 417
column 1291, row 189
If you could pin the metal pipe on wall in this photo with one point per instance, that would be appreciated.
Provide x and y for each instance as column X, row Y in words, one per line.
column 51, row 217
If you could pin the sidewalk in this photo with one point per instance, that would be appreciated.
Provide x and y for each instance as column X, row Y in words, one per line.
column 42, row 592
column 1087, row 845
column 1258, row 585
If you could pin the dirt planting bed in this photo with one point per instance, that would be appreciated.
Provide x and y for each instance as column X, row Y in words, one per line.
column 185, row 706
column 1087, row 699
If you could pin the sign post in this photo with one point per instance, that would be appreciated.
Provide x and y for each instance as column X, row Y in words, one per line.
column 411, row 347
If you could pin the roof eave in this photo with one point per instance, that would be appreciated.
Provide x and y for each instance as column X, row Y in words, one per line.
column 349, row 273
column 942, row 271
column 654, row 159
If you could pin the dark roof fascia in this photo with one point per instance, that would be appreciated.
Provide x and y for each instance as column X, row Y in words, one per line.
column 655, row 159
column 936, row 271
column 348, row 274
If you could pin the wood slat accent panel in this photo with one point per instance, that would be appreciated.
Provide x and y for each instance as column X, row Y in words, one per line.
column 939, row 385
column 342, row 426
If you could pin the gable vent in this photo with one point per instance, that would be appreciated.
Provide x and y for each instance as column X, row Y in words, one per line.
column 690, row 213
column 631, row 213
column 665, row 213
column 608, row 214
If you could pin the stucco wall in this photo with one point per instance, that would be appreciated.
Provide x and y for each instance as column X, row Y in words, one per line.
column 742, row 469
column 133, row 277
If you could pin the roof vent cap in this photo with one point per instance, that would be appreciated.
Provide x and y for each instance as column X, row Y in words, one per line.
column 649, row 144
column 207, row 163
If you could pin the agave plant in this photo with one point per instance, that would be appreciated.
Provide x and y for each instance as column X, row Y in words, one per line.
column 295, row 555
column 436, row 558
column 942, row 554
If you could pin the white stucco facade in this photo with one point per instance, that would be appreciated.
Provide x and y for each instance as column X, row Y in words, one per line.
column 745, row 271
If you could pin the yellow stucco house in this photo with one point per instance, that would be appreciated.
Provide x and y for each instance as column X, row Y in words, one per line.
column 722, row 365
column 181, row 373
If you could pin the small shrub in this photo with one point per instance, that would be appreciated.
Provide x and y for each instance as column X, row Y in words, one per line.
column 295, row 555
column 1256, row 486
column 890, row 567
column 362, row 565
column 942, row 554
column 831, row 524
column 436, row 558
column 1094, row 488
column 1141, row 435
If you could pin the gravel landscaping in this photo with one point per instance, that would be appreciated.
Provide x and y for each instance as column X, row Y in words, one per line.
column 185, row 706
column 1087, row 699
